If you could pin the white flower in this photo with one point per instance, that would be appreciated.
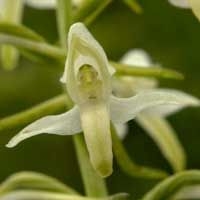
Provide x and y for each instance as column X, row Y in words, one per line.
column 152, row 119
column 47, row 4
column 193, row 4
column 88, row 80
column 180, row 3
column 42, row 4
column 188, row 192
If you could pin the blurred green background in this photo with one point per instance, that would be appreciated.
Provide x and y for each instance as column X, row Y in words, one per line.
column 170, row 35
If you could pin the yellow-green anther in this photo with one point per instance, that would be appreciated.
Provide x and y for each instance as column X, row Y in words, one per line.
column 88, row 82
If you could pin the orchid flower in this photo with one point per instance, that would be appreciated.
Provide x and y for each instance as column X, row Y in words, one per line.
column 192, row 4
column 87, row 77
column 153, row 119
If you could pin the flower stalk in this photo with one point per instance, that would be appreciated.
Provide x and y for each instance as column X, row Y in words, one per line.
column 64, row 20
column 168, row 188
column 51, row 106
column 12, row 12
column 128, row 166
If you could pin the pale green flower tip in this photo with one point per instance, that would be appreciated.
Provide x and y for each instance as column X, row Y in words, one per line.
column 193, row 101
column 175, row 75
column 103, row 168
column 187, row 99
column 11, row 144
column 16, row 140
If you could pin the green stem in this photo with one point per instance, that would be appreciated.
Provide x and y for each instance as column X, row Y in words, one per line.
column 128, row 166
column 96, row 12
column 52, row 106
column 20, row 31
column 89, row 10
column 33, row 180
column 171, row 185
column 153, row 71
column 34, row 46
column 43, row 195
column 94, row 184
column 11, row 12
column 165, row 137
column 64, row 20
column 59, row 55
column 134, row 6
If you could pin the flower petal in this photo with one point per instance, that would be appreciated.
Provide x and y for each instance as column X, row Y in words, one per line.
column 180, row 3
column 95, row 121
column 188, row 192
column 125, row 109
column 166, row 110
column 136, row 57
column 165, row 137
column 195, row 6
column 43, row 4
column 84, row 50
column 122, row 130
column 65, row 124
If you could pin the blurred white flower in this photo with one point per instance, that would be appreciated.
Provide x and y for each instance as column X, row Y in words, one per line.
column 48, row 4
column 42, row 4
column 193, row 4
column 152, row 119
column 180, row 3
column 188, row 192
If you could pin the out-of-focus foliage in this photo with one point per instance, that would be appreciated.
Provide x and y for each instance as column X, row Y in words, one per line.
column 170, row 35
